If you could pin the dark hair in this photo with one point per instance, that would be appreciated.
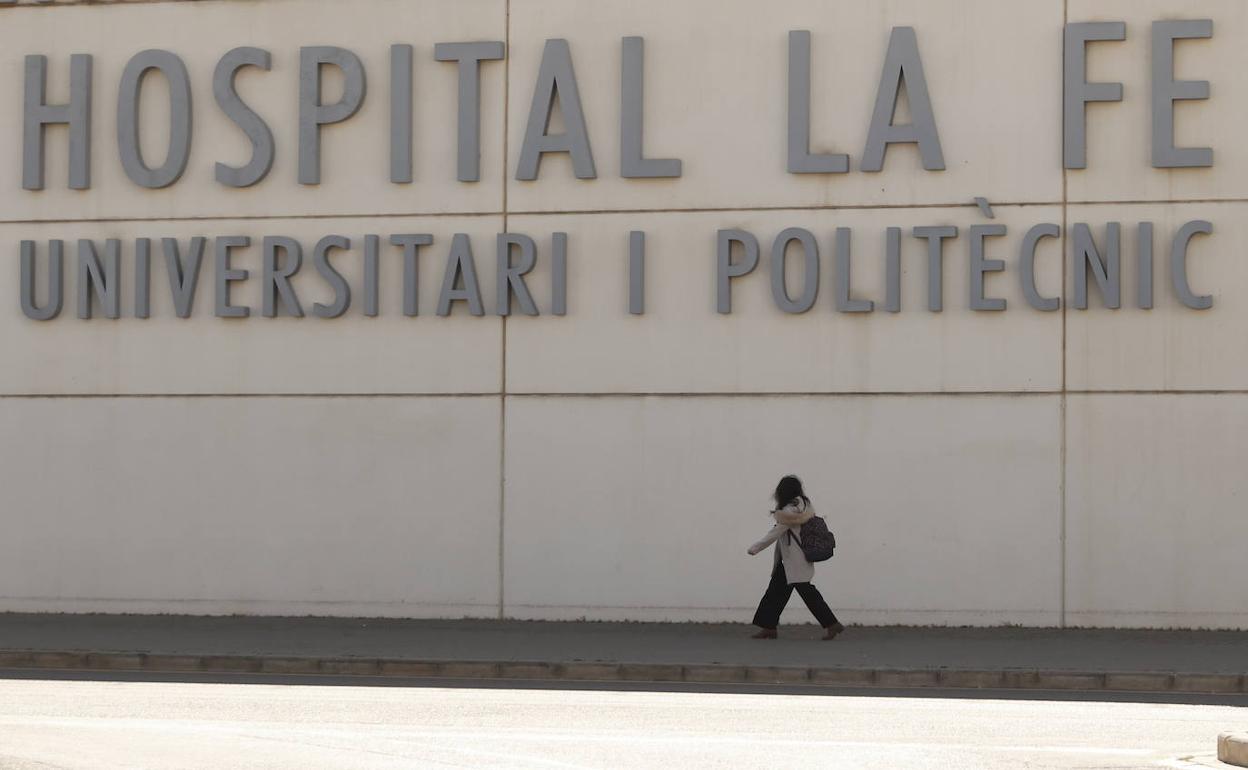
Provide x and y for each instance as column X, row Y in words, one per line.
column 788, row 490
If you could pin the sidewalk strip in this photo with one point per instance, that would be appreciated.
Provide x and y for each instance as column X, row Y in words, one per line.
column 893, row 678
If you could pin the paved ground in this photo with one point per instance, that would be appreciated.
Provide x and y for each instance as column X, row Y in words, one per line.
column 1212, row 652
column 151, row 724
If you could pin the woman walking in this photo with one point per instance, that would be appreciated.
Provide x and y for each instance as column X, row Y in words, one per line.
column 792, row 569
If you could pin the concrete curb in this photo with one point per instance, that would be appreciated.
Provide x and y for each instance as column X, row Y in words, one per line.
column 1014, row 679
column 1233, row 749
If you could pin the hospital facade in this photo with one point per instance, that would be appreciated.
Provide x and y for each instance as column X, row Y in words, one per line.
column 520, row 308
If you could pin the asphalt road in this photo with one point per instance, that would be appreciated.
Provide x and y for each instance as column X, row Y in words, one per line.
column 102, row 724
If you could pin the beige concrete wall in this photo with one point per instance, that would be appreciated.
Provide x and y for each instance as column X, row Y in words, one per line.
column 653, row 501
column 251, row 505
column 1041, row 468
column 1156, row 521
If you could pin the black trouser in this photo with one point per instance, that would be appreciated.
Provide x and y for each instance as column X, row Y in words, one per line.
column 778, row 592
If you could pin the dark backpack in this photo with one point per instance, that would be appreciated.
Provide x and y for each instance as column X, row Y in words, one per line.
column 816, row 540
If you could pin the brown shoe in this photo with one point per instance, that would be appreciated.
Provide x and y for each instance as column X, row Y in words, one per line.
column 832, row 631
column 765, row 633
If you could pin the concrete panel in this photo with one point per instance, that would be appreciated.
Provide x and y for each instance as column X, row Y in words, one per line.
column 1170, row 347
column 1119, row 164
column 716, row 97
column 361, row 506
column 946, row 509
column 683, row 345
column 355, row 154
column 390, row 353
column 1155, row 503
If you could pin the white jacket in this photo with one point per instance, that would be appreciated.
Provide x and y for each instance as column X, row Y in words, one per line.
column 790, row 518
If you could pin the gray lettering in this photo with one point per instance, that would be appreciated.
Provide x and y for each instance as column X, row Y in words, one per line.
column 469, row 56
column 903, row 65
column 726, row 269
column 180, row 121
column 226, row 275
column 810, row 284
column 38, row 113
column 979, row 266
column 633, row 164
column 637, row 272
column 892, row 270
column 99, row 279
column 56, row 285
column 1077, row 91
column 252, row 125
column 342, row 291
column 459, row 262
column 142, row 278
column 1027, row 266
column 1167, row 91
column 511, row 277
column 372, row 277
column 411, row 243
column 276, row 273
column 1178, row 264
column 841, row 276
column 556, row 79
column 935, row 237
column 183, row 278
column 801, row 161
column 1144, row 265
column 313, row 114
column 401, row 114
column 559, row 273
column 1107, row 272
